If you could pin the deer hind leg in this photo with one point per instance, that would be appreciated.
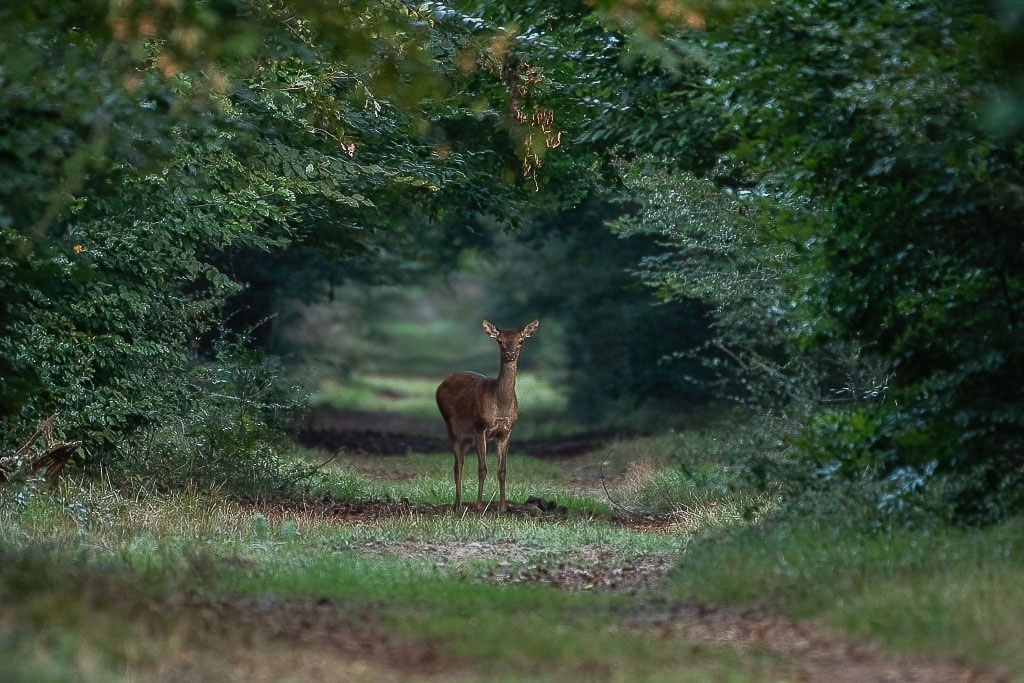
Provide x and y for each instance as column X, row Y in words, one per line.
column 502, row 455
column 459, row 449
column 481, row 468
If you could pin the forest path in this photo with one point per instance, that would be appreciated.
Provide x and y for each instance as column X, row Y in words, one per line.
column 374, row 444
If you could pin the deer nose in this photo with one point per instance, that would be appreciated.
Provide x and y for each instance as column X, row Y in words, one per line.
column 511, row 355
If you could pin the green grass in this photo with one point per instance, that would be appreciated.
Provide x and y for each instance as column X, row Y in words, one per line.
column 539, row 541
column 667, row 475
column 429, row 479
column 98, row 584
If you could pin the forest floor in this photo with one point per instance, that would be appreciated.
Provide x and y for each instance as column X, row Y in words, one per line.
column 382, row 580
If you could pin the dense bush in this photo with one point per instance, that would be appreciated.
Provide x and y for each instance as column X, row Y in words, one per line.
column 874, row 151
column 922, row 256
column 227, row 427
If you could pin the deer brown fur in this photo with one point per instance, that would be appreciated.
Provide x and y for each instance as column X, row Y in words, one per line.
column 477, row 409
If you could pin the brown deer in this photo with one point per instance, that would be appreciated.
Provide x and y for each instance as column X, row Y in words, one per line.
column 477, row 408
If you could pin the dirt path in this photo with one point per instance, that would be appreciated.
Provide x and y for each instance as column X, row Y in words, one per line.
column 326, row 639
column 813, row 652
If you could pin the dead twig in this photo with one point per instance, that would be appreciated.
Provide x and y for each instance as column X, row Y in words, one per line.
column 313, row 470
column 45, row 430
column 326, row 462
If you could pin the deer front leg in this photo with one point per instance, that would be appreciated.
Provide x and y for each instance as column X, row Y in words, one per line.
column 502, row 454
column 481, row 468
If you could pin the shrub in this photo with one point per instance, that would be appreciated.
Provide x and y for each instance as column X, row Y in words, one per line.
column 227, row 429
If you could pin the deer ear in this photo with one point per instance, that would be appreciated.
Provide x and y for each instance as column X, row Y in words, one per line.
column 531, row 328
column 490, row 329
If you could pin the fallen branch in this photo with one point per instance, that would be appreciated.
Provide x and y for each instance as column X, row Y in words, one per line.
column 51, row 462
column 311, row 471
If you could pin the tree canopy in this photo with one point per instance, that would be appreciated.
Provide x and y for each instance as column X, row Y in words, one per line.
column 817, row 203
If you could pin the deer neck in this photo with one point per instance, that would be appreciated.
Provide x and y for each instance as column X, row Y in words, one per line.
column 505, row 387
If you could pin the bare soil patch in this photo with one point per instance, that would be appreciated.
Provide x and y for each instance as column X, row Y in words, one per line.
column 605, row 574
column 585, row 567
column 452, row 553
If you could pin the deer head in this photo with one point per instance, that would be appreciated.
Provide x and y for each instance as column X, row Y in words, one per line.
column 510, row 341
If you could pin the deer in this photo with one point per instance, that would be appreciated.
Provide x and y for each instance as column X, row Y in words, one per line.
column 477, row 409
